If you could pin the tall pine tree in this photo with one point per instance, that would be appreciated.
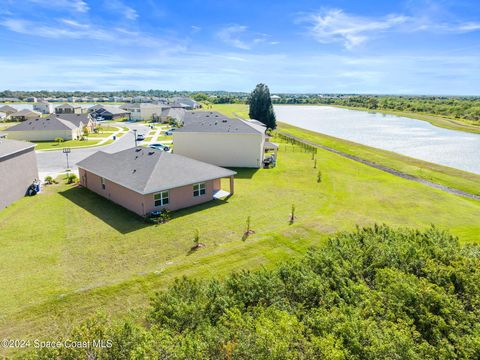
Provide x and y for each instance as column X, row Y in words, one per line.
column 261, row 108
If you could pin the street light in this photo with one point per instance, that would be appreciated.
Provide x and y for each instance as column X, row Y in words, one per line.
column 135, row 135
column 67, row 151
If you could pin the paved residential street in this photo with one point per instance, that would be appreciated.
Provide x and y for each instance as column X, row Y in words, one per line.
column 55, row 162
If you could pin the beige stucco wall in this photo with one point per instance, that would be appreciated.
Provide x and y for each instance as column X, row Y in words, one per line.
column 17, row 174
column 42, row 135
column 179, row 198
column 231, row 150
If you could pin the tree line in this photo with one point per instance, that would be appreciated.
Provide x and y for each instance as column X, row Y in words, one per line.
column 376, row 293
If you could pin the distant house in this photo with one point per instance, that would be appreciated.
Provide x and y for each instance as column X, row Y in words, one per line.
column 109, row 112
column 275, row 97
column 18, row 166
column 143, row 111
column 31, row 99
column 7, row 109
column 43, row 107
column 3, row 116
column 80, row 120
column 24, row 115
column 184, row 102
column 216, row 139
column 143, row 180
column 44, row 129
column 68, row 109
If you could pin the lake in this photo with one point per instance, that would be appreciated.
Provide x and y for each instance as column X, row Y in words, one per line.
column 414, row 138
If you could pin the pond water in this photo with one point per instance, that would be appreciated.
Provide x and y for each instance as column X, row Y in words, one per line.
column 414, row 138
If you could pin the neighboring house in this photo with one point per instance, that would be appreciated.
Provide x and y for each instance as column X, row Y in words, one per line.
column 43, row 107
column 80, row 120
column 3, row 116
column 184, row 102
column 275, row 97
column 68, row 109
column 108, row 112
column 7, row 109
column 31, row 99
column 18, row 166
column 216, row 139
column 170, row 113
column 143, row 180
column 143, row 111
column 24, row 115
column 44, row 129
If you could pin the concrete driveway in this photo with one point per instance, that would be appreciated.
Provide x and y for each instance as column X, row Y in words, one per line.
column 54, row 162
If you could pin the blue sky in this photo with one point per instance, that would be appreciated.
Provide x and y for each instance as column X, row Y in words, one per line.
column 344, row 46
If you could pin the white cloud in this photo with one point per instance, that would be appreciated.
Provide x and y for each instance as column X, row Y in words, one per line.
column 231, row 36
column 239, row 37
column 337, row 26
column 334, row 25
column 73, row 5
column 118, row 6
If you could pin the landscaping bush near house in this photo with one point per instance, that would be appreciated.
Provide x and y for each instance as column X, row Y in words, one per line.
column 59, row 140
column 71, row 178
column 376, row 293
column 158, row 217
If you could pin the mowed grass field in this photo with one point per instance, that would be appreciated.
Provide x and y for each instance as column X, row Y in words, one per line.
column 68, row 253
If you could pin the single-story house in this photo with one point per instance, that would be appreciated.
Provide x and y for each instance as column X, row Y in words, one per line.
column 108, row 112
column 68, row 109
column 24, row 115
column 44, row 129
column 43, row 107
column 143, row 180
column 184, row 102
column 80, row 120
column 18, row 166
column 7, row 109
column 3, row 116
column 143, row 111
column 216, row 139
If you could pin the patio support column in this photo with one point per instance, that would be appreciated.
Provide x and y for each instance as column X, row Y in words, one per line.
column 232, row 185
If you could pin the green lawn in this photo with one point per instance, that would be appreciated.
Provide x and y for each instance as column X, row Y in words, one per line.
column 106, row 128
column 102, row 134
column 50, row 145
column 232, row 110
column 458, row 179
column 69, row 253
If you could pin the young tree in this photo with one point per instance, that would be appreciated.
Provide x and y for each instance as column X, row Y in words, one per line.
column 261, row 108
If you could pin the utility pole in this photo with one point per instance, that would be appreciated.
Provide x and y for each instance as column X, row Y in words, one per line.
column 67, row 151
column 135, row 135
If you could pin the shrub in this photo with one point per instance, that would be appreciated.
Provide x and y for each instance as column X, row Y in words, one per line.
column 48, row 180
column 59, row 140
column 71, row 178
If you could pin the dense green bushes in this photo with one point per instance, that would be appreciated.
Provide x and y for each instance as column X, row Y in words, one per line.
column 378, row 293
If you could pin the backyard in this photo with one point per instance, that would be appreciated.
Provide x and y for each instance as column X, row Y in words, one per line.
column 69, row 253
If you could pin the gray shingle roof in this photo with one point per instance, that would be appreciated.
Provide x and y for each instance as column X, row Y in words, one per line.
column 75, row 119
column 214, row 122
column 7, row 109
column 26, row 112
column 9, row 147
column 67, row 106
column 51, row 122
column 147, row 171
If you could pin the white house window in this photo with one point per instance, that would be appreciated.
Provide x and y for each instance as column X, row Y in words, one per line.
column 102, row 180
column 199, row 189
column 161, row 199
